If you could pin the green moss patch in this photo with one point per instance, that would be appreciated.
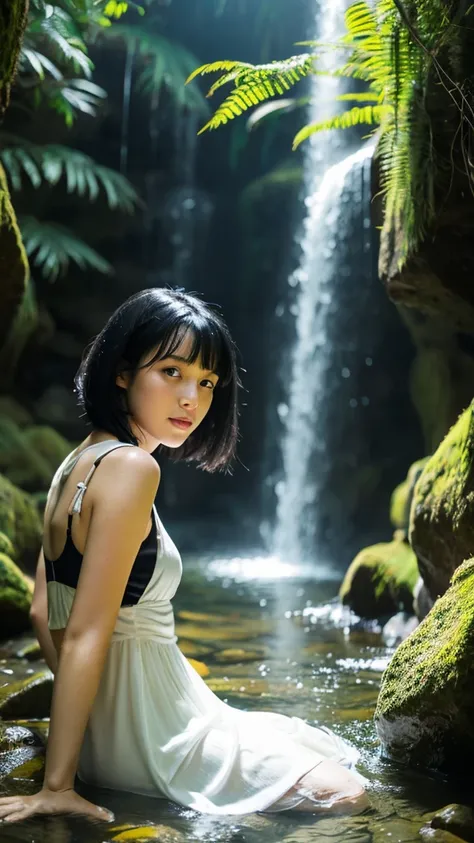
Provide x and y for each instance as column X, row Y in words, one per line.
column 380, row 580
column 425, row 708
column 442, row 512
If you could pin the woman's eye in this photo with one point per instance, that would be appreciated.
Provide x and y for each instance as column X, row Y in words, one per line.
column 209, row 384
column 172, row 371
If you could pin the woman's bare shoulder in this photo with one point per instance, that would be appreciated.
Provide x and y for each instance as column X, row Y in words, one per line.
column 125, row 467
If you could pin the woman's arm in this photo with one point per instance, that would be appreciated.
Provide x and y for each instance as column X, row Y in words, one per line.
column 39, row 616
column 121, row 501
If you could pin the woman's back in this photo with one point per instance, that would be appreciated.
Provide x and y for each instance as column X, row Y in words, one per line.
column 67, row 520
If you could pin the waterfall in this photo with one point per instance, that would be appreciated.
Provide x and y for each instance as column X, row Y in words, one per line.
column 336, row 242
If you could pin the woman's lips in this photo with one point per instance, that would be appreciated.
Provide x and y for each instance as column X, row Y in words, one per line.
column 183, row 424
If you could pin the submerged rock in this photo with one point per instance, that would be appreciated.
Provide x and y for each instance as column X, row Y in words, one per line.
column 381, row 579
column 15, row 598
column 424, row 713
column 457, row 819
column 27, row 698
column 442, row 515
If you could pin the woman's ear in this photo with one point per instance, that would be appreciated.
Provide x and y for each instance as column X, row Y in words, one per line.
column 123, row 379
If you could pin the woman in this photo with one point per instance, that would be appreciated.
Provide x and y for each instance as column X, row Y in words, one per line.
column 128, row 711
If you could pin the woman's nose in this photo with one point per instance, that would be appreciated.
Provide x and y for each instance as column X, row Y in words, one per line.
column 189, row 398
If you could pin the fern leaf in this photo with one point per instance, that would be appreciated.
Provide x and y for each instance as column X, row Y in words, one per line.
column 82, row 174
column 257, row 84
column 217, row 67
column 368, row 114
column 53, row 248
column 39, row 63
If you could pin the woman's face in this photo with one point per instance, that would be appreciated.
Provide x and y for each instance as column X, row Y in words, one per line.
column 169, row 399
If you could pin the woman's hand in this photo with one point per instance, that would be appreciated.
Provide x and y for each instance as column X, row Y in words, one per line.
column 17, row 808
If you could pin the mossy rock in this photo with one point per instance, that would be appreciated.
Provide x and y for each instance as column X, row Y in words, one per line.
column 380, row 580
column 402, row 496
column 11, row 409
column 6, row 546
column 424, row 714
column 29, row 457
column 442, row 514
column 15, row 598
column 21, row 524
column 27, row 698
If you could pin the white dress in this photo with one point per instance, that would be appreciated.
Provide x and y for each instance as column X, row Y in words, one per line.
column 157, row 729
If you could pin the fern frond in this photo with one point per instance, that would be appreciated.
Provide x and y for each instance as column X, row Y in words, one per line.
column 369, row 115
column 165, row 63
column 39, row 63
column 65, row 39
column 53, row 248
column 258, row 84
column 71, row 96
column 225, row 66
column 83, row 175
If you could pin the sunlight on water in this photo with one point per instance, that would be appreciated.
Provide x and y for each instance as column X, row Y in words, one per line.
column 242, row 569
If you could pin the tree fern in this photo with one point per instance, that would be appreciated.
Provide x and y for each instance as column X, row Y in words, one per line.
column 52, row 248
column 52, row 162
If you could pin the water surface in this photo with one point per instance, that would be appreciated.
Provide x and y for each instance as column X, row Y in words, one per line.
column 273, row 638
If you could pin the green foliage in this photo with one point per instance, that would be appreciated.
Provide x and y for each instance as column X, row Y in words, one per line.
column 82, row 175
column 252, row 84
column 52, row 247
column 162, row 64
column 396, row 50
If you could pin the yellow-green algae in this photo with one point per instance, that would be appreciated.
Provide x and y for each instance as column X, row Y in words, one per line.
column 425, row 709
column 400, row 503
column 381, row 580
column 442, row 513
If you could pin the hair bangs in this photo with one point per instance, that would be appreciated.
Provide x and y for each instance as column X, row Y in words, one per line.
column 208, row 345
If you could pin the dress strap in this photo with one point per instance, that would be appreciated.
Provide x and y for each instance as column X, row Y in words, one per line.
column 81, row 487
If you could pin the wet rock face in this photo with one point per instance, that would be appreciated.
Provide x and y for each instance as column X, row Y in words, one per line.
column 457, row 820
column 380, row 580
column 28, row 697
column 442, row 514
column 424, row 714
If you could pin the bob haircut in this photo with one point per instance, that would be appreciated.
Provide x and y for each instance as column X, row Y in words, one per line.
column 154, row 322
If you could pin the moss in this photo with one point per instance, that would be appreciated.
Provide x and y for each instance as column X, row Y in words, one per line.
column 380, row 580
column 442, row 513
column 20, row 522
column 29, row 457
column 13, row 15
column 424, row 709
column 6, row 545
column 14, row 270
column 400, row 503
column 15, row 598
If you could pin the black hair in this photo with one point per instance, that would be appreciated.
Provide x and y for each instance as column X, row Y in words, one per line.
column 157, row 319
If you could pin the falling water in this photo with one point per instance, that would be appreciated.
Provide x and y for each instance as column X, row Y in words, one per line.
column 337, row 188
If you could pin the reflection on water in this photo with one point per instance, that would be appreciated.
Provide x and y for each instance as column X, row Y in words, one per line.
column 276, row 641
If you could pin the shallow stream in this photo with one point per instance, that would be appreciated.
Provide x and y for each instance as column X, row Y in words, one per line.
column 276, row 639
